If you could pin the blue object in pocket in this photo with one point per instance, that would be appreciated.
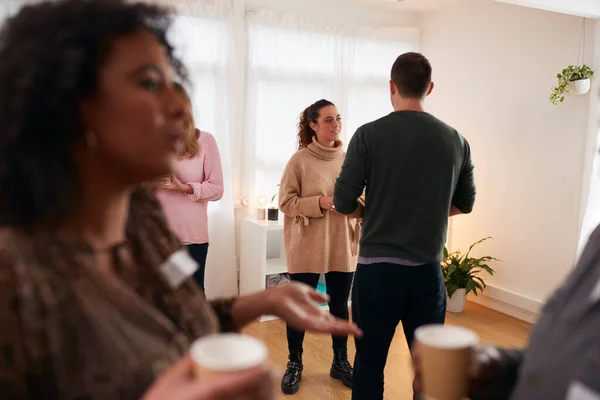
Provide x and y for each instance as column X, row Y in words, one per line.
column 321, row 288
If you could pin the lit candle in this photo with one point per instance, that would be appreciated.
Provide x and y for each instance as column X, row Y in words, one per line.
column 261, row 211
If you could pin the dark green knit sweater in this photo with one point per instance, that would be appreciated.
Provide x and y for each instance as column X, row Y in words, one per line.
column 414, row 167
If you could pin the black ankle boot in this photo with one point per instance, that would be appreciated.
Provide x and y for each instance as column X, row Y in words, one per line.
column 293, row 374
column 341, row 368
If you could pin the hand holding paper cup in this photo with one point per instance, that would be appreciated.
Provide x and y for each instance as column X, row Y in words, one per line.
column 176, row 383
column 227, row 353
column 445, row 356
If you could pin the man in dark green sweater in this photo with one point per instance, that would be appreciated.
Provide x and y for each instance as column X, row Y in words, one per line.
column 417, row 172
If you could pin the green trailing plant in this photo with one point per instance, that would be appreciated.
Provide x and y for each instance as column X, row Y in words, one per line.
column 461, row 271
column 565, row 77
column 274, row 196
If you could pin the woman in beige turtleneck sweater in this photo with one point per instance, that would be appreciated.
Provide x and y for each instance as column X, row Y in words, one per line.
column 318, row 240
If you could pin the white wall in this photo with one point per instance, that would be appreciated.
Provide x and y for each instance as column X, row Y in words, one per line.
column 494, row 65
column 586, row 8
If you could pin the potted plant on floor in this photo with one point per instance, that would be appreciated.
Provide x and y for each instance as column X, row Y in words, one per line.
column 575, row 79
column 461, row 275
column 273, row 211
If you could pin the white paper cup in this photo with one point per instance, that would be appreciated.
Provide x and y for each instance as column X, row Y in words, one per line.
column 226, row 353
column 445, row 354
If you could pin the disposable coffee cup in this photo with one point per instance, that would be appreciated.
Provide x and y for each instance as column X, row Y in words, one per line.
column 226, row 353
column 445, row 355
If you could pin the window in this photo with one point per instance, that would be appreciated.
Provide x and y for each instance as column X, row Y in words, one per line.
column 368, row 85
column 287, row 71
column 207, row 64
column 591, row 215
column 290, row 66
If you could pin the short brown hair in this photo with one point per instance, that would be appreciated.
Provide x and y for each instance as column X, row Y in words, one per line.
column 411, row 73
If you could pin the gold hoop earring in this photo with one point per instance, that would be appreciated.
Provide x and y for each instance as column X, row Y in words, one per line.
column 90, row 140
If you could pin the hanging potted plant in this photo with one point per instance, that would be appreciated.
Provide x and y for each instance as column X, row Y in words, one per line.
column 461, row 276
column 273, row 211
column 576, row 79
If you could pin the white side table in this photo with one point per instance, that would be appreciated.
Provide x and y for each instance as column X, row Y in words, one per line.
column 255, row 266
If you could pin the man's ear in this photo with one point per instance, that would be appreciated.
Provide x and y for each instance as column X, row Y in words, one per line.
column 431, row 86
column 393, row 88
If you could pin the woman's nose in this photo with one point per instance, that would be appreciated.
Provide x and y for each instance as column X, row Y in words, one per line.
column 175, row 104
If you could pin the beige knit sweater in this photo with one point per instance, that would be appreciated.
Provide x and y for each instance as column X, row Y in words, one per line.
column 316, row 241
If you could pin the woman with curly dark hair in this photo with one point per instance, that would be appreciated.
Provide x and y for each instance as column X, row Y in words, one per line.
column 92, row 303
column 318, row 240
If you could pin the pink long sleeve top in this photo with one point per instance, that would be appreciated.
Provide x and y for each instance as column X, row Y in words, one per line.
column 187, row 213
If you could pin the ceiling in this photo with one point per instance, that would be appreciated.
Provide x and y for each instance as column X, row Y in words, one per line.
column 586, row 8
column 421, row 5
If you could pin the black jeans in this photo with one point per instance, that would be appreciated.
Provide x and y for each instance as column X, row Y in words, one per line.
column 198, row 252
column 382, row 296
column 338, row 288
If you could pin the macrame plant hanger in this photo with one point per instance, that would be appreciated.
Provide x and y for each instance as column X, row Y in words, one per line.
column 581, row 50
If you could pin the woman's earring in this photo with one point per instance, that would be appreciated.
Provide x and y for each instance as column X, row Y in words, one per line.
column 90, row 140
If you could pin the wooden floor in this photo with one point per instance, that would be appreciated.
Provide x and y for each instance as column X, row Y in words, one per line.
column 492, row 327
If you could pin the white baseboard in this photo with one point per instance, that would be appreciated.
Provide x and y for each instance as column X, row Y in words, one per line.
column 494, row 298
column 509, row 303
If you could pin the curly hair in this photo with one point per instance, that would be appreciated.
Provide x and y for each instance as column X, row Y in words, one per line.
column 51, row 53
column 310, row 114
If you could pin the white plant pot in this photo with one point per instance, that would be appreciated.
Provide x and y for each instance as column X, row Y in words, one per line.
column 456, row 303
column 581, row 86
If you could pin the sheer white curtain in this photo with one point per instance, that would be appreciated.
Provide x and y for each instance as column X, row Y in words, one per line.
column 202, row 35
column 289, row 67
column 373, row 53
column 293, row 62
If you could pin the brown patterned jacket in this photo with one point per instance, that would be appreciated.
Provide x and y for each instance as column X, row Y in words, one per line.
column 70, row 331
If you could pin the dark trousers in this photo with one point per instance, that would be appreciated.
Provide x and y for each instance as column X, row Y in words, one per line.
column 382, row 296
column 198, row 252
column 338, row 288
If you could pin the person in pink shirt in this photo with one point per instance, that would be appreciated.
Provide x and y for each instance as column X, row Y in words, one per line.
column 198, row 179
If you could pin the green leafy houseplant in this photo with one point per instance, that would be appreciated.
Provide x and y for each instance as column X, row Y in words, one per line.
column 565, row 77
column 274, row 196
column 461, row 271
